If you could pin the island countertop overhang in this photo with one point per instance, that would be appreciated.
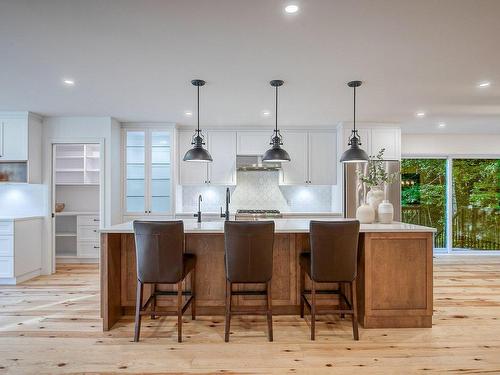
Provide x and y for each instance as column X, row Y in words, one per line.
column 281, row 226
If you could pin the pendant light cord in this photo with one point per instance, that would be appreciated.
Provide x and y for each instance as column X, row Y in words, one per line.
column 354, row 127
column 198, row 110
column 276, row 120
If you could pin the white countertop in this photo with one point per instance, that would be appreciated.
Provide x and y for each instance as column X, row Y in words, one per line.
column 281, row 226
column 20, row 217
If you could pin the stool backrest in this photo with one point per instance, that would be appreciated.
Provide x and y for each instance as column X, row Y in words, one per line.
column 159, row 248
column 334, row 250
column 249, row 251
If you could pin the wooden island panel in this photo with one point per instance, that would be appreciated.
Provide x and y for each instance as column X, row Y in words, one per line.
column 394, row 277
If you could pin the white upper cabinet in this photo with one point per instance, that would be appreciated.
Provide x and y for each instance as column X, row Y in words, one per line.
column 221, row 171
column 222, row 147
column 147, row 171
column 253, row 142
column 388, row 138
column 295, row 172
column 322, row 158
column 190, row 173
column 373, row 139
column 13, row 139
column 313, row 158
column 21, row 141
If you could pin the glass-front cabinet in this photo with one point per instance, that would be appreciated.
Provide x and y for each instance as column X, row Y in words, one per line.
column 147, row 171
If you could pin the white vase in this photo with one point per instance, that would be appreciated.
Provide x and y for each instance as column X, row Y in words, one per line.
column 374, row 197
column 385, row 212
column 365, row 214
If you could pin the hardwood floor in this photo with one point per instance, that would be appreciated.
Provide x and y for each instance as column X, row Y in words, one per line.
column 51, row 325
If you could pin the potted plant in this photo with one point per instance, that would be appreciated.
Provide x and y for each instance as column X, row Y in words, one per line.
column 375, row 177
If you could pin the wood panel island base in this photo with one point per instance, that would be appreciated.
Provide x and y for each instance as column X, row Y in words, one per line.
column 394, row 272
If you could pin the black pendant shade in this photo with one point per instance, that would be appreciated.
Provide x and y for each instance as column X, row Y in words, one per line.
column 354, row 154
column 198, row 153
column 276, row 153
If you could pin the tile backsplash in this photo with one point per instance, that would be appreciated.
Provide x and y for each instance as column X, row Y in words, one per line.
column 259, row 190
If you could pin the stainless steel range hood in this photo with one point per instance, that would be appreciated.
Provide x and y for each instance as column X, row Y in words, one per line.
column 254, row 163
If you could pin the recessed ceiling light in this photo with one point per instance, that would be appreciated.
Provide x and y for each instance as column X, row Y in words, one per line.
column 69, row 82
column 292, row 8
column 420, row 114
column 484, row 84
column 188, row 113
column 441, row 124
column 266, row 113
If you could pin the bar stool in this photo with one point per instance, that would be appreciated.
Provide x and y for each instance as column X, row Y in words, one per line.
column 333, row 259
column 159, row 249
column 249, row 260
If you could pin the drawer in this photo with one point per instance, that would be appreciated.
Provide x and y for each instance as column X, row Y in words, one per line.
column 87, row 220
column 6, row 266
column 6, row 227
column 6, row 246
column 89, row 249
column 88, row 233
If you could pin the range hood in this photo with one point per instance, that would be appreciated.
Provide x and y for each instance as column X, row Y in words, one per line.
column 254, row 163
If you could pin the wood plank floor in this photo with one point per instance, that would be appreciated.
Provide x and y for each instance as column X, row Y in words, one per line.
column 51, row 325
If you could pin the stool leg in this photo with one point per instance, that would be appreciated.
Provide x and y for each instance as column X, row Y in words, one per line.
column 269, row 312
column 193, row 294
column 228, row 310
column 342, row 305
column 179, row 311
column 153, row 303
column 354, row 304
column 302, row 286
column 138, row 306
column 313, row 310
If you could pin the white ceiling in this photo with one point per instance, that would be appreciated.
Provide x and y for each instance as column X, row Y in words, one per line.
column 133, row 60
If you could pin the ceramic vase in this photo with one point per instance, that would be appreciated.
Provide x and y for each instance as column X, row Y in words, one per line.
column 385, row 212
column 374, row 197
column 365, row 214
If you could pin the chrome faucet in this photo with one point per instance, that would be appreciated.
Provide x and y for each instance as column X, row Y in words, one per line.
column 198, row 215
column 228, row 200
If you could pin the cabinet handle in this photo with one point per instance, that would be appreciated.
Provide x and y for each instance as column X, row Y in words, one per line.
column 97, row 247
column 96, row 220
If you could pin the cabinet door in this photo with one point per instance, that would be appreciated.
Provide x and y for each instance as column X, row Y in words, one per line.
column 364, row 134
column 135, row 171
column 160, row 175
column 190, row 173
column 254, row 143
column 294, row 172
column 13, row 139
column 222, row 171
column 388, row 138
column 322, row 158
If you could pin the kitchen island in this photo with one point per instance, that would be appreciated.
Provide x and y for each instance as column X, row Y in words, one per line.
column 394, row 272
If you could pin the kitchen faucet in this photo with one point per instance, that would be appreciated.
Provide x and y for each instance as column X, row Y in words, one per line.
column 198, row 215
column 228, row 200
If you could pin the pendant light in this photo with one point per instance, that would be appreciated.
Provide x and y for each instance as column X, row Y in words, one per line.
column 198, row 153
column 276, row 153
column 354, row 154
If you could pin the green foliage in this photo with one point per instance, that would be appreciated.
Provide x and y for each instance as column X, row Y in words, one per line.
column 376, row 174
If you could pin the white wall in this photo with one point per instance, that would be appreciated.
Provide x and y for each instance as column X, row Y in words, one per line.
column 84, row 130
column 450, row 144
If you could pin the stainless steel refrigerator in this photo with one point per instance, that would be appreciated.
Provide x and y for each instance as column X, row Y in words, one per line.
column 353, row 188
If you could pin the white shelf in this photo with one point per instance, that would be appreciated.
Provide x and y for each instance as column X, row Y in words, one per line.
column 71, row 170
column 77, row 184
column 65, row 234
column 70, row 157
column 76, row 213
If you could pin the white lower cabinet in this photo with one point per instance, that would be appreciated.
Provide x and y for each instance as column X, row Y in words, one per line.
column 20, row 250
column 87, row 236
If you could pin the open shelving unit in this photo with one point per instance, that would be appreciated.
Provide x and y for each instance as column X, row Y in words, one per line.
column 76, row 168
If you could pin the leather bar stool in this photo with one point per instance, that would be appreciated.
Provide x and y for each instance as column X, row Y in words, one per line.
column 159, row 248
column 333, row 259
column 249, row 260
